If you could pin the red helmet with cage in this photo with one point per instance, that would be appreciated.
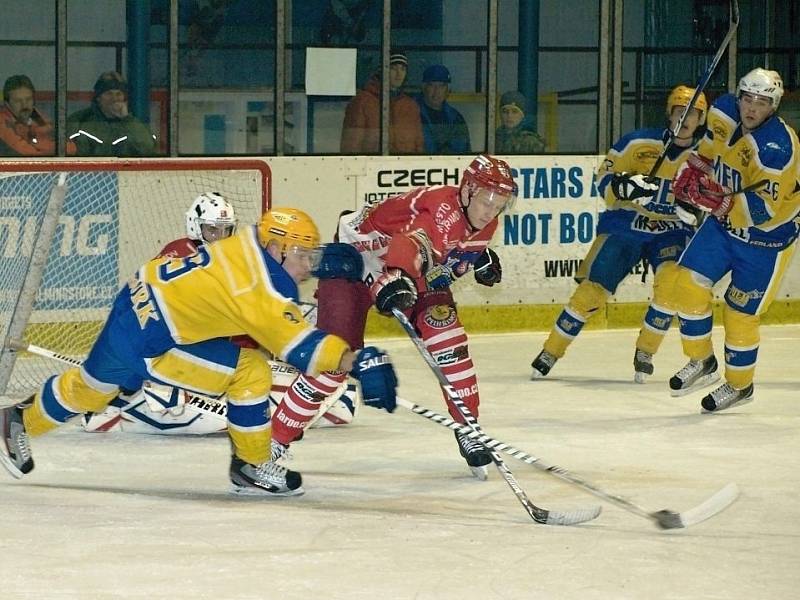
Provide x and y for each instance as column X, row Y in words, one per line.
column 491, row 174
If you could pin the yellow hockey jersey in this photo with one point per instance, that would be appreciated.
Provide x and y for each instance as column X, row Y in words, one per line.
column 771, row 153
column 636, row 153
column 228, row 288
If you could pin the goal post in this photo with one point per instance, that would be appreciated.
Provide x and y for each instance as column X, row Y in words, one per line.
column 113, row 217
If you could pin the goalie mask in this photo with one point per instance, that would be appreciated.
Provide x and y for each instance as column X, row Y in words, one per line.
column 762, row 82
column 487, row 189
column 211, row 210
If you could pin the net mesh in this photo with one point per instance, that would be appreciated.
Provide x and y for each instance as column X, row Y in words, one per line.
column 112, row 221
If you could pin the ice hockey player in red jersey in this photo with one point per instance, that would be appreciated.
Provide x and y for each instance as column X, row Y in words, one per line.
column 414, row 246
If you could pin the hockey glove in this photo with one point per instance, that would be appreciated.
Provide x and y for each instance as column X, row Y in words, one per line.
column 689, row 214
column 634, row 188
column 394, row 289
column 487, row 268
column 339, row 261
column 694, row 184
column 374, row 371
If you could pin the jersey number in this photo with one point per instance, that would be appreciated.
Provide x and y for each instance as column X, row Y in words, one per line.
column 177, row 267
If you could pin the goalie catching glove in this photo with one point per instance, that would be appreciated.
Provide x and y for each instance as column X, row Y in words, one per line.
column 487, row 268
column 374, row 371
column 394, row 289
column 694, row 184
column 633, row 188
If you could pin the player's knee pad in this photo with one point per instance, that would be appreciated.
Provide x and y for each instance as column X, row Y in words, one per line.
column 65, row 396
column 588, row 298
column 690, row 293
column 663, row 283
column 741, row 329
column 252, row 377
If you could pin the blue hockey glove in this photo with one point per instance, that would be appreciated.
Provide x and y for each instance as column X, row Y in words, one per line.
column 339, row 261
column 487, row 268
column 439, row 276
column 374, row 371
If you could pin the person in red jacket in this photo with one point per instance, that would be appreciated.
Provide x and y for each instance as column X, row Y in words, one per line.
column 362, row 119
column 24, row 130
column 414, row 246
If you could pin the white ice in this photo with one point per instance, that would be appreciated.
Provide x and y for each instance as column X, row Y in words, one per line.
column 391, row 510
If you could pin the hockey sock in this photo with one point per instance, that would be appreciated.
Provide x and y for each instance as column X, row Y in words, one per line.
column 301, row 402
column 586, row 300
column 741, row 346
column 656, row 323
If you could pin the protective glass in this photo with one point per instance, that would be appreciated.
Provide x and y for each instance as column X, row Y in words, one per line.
column 212, row 232
column 494, row 200
column 306, row 256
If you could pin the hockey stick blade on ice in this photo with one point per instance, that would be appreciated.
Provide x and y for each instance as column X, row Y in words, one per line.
column 538, row 514
column 665, row 519
column 734, row 19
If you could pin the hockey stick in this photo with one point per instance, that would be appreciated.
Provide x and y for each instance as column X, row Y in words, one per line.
column 203, row 404
column 665, row 519
column 538, row 514
column 700, row 87
column 748, row 188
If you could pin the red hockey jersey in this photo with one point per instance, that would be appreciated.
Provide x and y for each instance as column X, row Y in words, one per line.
column 415, row 231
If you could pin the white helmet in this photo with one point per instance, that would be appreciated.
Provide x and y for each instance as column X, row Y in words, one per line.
column 209, row 208
column 762, row 83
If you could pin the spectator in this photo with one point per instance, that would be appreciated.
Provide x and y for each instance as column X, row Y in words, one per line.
column 362, row 119
column 516, row 134
column 444, row 128
column 106, row 128
column 24, row 130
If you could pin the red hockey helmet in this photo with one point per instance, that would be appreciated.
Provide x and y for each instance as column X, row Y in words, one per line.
column 492, row 177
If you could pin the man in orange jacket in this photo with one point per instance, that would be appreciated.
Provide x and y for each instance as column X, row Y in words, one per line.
column 362, row 119
column 24, row 130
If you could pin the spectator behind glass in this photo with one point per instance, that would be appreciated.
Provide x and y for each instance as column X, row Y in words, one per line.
column 516, row 134
column 24, row 130
column 362, row 119
column 106, row 128
column 444, row 128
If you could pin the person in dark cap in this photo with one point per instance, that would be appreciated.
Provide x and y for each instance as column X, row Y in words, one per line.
column 24, row 130
column 516, row 134
column 106, row 128
column 444, row 128
column 362, row 119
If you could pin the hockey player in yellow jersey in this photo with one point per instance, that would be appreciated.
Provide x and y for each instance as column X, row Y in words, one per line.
column 640, row 222
column 171, row 323
column 750, row 234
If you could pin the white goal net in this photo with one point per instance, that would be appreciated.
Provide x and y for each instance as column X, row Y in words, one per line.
column 115, row 216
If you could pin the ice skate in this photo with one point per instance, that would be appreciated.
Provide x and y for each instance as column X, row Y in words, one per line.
column 476, row 455
column 726, row 396
column 542, row 364
column 695, row 375
column 15, row 452
column 642, row 365
column 266, row 479
column 280, row 453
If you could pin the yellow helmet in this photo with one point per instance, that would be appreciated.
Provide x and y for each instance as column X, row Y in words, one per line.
column 681, row 95
column 289, row 227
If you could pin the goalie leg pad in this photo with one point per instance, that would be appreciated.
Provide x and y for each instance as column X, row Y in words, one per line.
column 741, row 346
column 301, row 402
column 443, row 334
column 586, row 301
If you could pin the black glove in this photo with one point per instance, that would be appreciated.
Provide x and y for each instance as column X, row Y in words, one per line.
column 374, row 371
column 487, row 268
column 394, row 289
column 634, row 188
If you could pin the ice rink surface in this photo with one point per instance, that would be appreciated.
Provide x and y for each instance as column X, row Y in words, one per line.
column 391, row 511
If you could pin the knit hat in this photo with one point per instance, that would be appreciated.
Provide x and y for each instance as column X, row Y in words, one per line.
column 398, row 57
column 513, row 99
column 436, row 73
column 110, row 80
